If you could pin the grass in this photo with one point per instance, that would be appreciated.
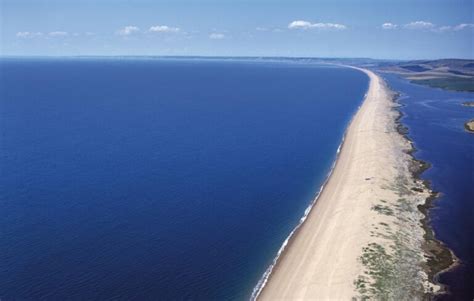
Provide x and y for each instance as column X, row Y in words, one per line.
column 392, row 272
column 448, row 83
column 382, row 209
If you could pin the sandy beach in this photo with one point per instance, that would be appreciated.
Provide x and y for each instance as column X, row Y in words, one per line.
column 363, row 236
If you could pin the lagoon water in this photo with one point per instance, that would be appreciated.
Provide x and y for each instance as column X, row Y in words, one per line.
column 157, row 178
column 435, row 119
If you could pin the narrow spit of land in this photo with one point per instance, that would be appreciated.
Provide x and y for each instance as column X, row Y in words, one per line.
column 363, row 238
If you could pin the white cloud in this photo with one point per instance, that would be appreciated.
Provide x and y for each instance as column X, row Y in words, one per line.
column 420, row 25
column 27, row 34
column 464, row 26
column 444, row 28
column 163, row 28
column 58, row 34
column 428, row 26
column 268, row 29
column 300, row 24
column 216, row 36
column 389, row 25
column 128, row 30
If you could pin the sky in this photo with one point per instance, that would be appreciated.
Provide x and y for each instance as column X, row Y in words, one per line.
column 381, row 29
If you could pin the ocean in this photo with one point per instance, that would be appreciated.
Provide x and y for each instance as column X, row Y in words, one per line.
column 435, row 119
column 145, row 179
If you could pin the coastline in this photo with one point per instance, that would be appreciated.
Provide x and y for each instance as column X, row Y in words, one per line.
column 365, row 220
column 440, row 258
column 287, row 242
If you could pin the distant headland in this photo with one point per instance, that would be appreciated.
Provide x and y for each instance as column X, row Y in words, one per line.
column 449, row 74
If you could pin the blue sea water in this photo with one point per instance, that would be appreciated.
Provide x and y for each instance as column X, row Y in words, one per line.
column 435, row 119
column 156, row 179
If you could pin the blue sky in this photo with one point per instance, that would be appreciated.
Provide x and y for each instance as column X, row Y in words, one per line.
column 389, row 29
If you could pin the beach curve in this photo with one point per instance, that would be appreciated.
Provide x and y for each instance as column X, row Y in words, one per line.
column 358, row 217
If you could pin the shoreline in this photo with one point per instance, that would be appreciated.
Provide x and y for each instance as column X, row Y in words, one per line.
column 440, row 257
column 322, row 257
column 288, row 241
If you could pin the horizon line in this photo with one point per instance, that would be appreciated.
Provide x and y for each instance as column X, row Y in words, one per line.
column 226, row 56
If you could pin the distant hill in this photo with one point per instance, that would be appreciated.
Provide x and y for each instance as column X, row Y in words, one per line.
column 450, row 74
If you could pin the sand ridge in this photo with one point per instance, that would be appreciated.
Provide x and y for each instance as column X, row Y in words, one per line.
column 368, row 206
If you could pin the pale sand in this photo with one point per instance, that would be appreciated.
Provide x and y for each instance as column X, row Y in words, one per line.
column 321, row 261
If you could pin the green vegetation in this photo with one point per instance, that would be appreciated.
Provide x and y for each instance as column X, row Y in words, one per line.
column 380, row 267
column 448, row 83
column 449, row 74
column 400, row 187
column 404, row 205
column 392, row 272
column 383, row 209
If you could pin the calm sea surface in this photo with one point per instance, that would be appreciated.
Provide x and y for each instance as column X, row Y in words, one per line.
column 435, row 119
column 168, row 179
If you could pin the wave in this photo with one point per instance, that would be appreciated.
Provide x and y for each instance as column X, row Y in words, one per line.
column 264, row 279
